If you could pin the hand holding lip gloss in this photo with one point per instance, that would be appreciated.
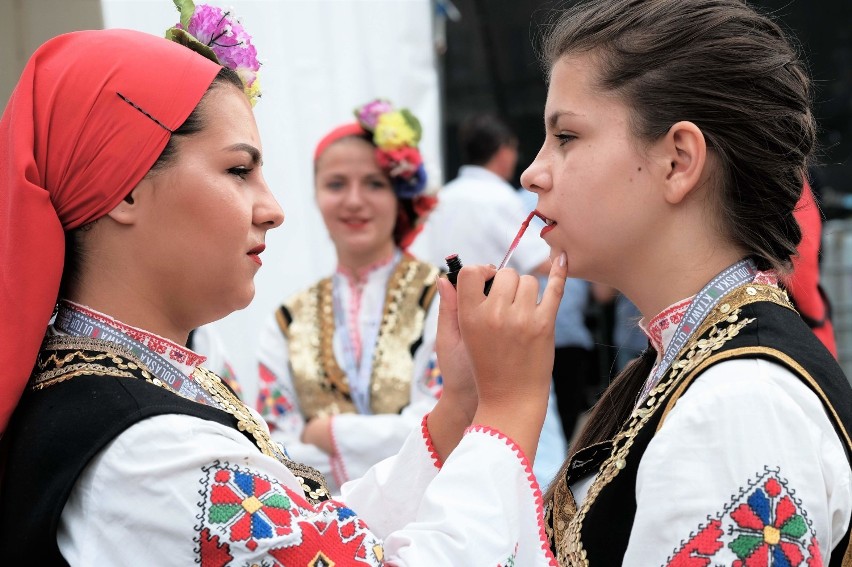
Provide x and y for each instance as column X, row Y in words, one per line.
column 509, row 339
column 454, row 262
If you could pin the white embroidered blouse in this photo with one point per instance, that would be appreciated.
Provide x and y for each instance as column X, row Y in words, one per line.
column 179, row 490
column 747, row 469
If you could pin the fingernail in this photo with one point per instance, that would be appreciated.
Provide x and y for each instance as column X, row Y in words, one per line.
column 562, row 259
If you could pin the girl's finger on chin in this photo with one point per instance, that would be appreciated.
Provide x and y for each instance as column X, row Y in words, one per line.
column 555, row 288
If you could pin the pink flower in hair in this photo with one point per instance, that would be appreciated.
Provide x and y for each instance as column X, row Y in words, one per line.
column 368, row 115
column 225, row 35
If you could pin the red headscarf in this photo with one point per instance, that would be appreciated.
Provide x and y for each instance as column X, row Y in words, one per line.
column 71, row 149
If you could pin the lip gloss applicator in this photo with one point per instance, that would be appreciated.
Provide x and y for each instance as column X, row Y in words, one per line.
column 454, row 262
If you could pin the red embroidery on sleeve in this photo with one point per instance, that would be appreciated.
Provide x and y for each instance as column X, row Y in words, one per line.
column 763, row 525
column 244, row 515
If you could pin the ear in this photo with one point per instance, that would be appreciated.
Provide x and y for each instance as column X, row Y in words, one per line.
column 127, row 210
column 686, row 152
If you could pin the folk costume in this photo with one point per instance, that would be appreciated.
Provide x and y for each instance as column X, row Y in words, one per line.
column 123, row 448
column 359, row 347
column 737, row 452
column 386, row 318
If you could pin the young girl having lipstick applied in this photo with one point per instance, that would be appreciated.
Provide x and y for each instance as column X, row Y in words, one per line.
column 347, row 367
column 677, row 135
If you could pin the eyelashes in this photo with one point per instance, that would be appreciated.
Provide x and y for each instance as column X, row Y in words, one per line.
column 564, row 138
column 240, row 171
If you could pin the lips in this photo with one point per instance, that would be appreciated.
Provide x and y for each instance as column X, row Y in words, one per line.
column 550, row 224
column 355, row 223
column 254, row 253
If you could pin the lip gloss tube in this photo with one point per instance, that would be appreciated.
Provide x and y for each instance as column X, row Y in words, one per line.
column 454, row 263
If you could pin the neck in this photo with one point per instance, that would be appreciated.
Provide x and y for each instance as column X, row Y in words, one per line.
column 358, row 263
column 121, row 300
column 675, row 281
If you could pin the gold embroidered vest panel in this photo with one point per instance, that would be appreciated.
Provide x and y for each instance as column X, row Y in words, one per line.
column 320, row 382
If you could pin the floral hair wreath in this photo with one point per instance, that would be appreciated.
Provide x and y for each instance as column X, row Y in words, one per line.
column 219, row 36
column 396, row 134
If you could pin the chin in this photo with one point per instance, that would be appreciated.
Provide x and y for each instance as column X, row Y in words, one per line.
column 238, row 299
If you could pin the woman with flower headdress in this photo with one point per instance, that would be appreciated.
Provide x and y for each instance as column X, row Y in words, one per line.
column 133, row 204
column 347, row 366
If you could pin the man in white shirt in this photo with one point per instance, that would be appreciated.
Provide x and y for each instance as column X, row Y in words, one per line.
column 479, row 212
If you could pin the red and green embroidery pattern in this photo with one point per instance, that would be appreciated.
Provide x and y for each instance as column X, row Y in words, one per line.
column 247, row 518
column 762, row 527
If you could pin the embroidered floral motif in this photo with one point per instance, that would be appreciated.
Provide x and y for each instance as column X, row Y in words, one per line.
column 769, row 526
column 433, row 379
column 246, row 516
column 764, row 525
column 271, row 401
column 211, row 552
column 249, row 507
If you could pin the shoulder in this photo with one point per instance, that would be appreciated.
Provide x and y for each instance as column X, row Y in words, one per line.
column 759, row 406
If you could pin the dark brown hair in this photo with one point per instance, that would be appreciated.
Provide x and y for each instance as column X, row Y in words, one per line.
column 481, row 136
column 194, row 123
column 734, row 74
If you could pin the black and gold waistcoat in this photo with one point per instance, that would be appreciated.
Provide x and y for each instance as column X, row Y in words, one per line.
column 754, row 321
column 307, row 321
column 84, row 393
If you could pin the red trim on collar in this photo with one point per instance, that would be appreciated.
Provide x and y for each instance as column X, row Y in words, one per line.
column 156, row 343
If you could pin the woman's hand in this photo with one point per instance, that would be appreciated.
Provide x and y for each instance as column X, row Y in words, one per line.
column 317, row 432
column 508, row 337
column 456, row 407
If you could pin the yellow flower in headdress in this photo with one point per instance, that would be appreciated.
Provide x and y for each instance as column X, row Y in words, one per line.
column 394, row 131
column 253, row 92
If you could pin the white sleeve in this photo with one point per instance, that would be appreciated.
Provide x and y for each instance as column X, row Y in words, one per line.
column 484, row 506
column 746, row 467
column 178, row 490
column 278, row 402
column 360, row 441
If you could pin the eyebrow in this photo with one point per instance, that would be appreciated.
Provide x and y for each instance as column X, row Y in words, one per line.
column 249, row 149
column 554, row 117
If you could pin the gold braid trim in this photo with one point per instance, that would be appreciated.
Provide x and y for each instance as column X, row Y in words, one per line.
column 317, row 490
column 92, row 356
column 321, row 385
column 721, row 325
column 103, row 358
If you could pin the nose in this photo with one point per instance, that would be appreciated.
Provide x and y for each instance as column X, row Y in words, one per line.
column 354, row 195
column 536, row 177
column 267, row 212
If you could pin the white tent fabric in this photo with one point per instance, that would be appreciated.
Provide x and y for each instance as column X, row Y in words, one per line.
column 321, row 58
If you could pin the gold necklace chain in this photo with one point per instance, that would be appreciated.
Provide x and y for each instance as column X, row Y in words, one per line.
column 247, row 422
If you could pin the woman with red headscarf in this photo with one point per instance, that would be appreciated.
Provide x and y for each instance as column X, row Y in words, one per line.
column 133, row 207
column 347, row 366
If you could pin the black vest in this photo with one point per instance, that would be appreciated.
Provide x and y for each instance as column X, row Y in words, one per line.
column 56, row 431
column 777, row 334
